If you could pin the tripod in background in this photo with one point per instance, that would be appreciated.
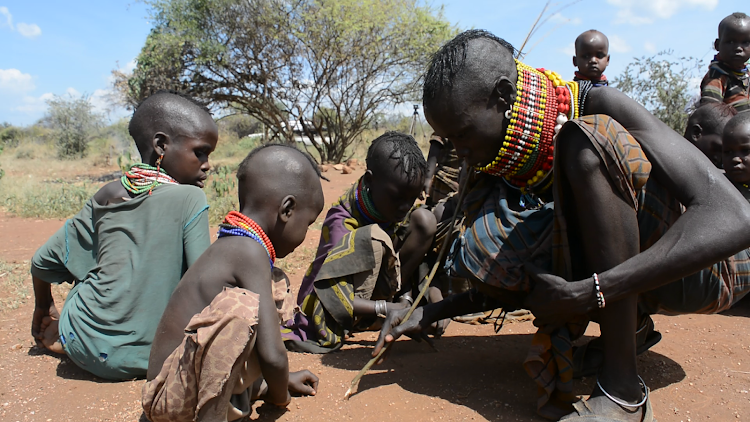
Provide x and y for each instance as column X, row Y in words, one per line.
column 415, row 120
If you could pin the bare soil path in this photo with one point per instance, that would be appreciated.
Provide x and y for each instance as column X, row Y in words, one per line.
column 700, row 370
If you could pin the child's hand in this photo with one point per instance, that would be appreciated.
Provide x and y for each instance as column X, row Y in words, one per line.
column 303, row 382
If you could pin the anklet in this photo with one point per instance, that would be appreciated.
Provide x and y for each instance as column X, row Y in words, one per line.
column 622, row 403
column 599, row 295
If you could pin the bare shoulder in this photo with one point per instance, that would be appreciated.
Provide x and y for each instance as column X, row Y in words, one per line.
column 245, row 258
column 110, row 193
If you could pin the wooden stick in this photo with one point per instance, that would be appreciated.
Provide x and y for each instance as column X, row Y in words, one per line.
column 428, row 281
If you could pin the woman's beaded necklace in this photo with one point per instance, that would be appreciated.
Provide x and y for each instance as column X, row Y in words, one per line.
column 544, row 102
column 144, row 178
column 238, row 224
column 365, row 205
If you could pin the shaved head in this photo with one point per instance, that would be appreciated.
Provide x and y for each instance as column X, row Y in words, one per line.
column 169, row 112
column 590, row 36
column 273, row 171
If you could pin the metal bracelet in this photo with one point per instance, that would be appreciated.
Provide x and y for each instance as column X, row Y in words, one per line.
column 381, row 308
column 407, row 297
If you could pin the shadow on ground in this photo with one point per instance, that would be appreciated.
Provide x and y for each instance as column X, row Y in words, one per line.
column 484, row 373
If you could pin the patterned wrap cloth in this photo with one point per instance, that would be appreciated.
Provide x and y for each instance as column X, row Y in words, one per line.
column 354, row 259
column 215, row 339
column 496, row 241
column 722, row 84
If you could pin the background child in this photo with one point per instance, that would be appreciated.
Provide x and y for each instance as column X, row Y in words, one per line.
column 369, row 243
column 220, row 331
column 705, row 127
column 592, row 57
column 736, row 153
column 443, row 166
column 129, row 246
column 727, row 77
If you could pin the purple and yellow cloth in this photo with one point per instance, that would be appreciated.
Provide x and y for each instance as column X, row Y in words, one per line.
column 354, row 259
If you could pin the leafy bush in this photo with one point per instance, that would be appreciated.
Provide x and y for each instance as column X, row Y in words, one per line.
column 75, row 124
column 221, row 194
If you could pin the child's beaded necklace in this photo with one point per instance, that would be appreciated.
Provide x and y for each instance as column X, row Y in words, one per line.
column 365, row 205
column 238, row 224
column 544, row 102
column 144, row 178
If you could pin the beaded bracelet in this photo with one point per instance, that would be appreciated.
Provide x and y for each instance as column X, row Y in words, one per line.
column 599, row 295
column 381, row 308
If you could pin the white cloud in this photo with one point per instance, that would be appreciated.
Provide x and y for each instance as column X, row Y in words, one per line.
column 31, row 104
column 639, row 12
column 560, row 18
column 618, row 44
column 569, row 50
column 15, row 81
column 29, row 30
column 649, row 47
column 8, row 17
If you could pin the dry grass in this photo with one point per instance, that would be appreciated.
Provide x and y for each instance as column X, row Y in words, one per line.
column 15, row 281
column 298, row 260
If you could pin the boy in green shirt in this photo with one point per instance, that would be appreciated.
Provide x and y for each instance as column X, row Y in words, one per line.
column 129, row 246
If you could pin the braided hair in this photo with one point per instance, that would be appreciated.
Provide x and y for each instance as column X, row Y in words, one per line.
column 448, row 62
column 400, row 147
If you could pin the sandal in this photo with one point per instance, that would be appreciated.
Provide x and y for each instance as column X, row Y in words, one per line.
column 588, row 358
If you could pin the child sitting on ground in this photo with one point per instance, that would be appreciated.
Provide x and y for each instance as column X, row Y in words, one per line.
column 736, row 153
column 705, row 127
column 369, row 243
column 727, row 77
column 592, row 57
column 128, row 248
column 220, row 331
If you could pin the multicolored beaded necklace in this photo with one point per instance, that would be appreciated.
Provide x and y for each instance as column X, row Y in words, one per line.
column 365, row 205
column 144, row 178
column 238, row 224
column 544, row 102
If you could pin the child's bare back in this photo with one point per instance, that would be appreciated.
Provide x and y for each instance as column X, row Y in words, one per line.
column 218, row 345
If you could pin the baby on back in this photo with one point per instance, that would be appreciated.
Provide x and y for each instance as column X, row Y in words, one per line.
column 218, row 344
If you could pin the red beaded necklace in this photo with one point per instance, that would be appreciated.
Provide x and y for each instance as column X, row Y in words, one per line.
column 544, row 102
column 237, row 219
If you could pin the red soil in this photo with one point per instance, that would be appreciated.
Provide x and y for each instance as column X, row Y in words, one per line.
column 699, row 371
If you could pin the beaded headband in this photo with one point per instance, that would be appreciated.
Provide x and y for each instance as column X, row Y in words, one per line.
column 544, row 102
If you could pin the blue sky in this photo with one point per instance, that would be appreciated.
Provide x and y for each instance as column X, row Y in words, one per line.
column 58, row 48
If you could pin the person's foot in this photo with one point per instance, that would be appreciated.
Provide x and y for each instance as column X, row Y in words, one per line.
column 51, row 335
column 601, row 405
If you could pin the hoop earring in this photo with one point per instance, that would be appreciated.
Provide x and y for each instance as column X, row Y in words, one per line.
column 509, row 113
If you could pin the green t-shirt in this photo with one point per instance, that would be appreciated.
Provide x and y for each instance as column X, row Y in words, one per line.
column 126, row 260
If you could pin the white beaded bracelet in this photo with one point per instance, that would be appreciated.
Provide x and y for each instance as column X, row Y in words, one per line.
column 599, row 295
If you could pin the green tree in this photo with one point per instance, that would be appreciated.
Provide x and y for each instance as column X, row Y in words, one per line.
column 662, row 84
column 311, row 66
column 74, row 124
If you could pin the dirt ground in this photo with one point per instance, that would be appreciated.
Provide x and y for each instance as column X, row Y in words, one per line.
column 699, row 371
